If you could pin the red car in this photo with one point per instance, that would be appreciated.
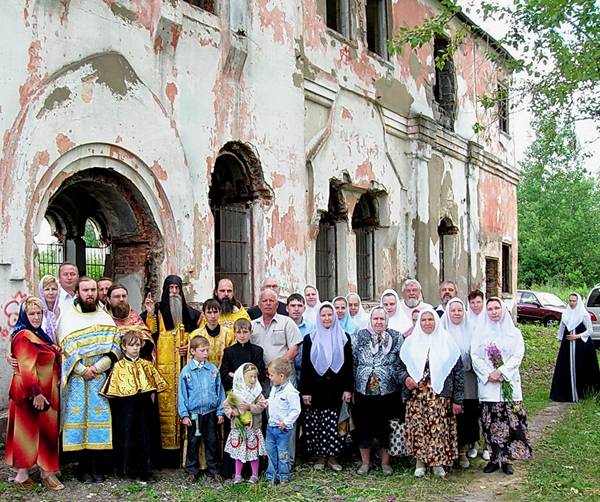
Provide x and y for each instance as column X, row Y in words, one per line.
column 537, row 306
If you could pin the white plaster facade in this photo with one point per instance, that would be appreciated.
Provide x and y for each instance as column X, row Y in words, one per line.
column 152, row 90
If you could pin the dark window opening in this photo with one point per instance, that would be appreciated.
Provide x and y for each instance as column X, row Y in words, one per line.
column 326, row 246
column 446, row 229
column 338, row 16
column 207, row 5
column 365, row 221
column 377, row 28
column 491, row 277
column 506, row 269
column 503, row 108
column 444, row 88
column 236, row 182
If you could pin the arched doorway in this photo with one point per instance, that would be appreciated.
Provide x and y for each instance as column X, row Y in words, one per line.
column 237, row 183
column 447, row 231
column 102, row 223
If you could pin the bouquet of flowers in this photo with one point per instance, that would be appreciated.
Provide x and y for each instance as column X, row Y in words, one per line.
column 244, row 419
column 495, row 357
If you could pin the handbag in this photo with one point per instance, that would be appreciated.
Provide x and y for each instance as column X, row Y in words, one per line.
column 396, row 448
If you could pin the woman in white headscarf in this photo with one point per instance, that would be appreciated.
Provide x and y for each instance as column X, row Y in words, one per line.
column 434, row 394
column 326, row 382
column 467, row 423
column 476, row 311
column 357, row 311
column 313, row 302
column 378, row 378
column 496, row 356
column 576, row 374
column 397, row 319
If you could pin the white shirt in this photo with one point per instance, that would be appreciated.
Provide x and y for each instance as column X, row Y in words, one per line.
column 64, row 299
column 284, row 405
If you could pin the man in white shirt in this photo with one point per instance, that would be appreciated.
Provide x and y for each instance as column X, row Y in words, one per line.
column 412, row 298
column 68, row 276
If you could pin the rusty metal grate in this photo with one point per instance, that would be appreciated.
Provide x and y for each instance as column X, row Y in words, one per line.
column 232, row 248
column 365, row 262
column 326, row 260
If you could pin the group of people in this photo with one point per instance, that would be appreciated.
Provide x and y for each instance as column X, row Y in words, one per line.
column 223, row 387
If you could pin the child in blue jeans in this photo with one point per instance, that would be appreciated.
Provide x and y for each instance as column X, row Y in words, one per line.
column 284, row 409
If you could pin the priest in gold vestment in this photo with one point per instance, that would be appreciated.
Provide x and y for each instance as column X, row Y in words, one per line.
column 170, row 321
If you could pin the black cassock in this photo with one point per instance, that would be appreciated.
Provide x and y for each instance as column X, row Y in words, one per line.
column 576, row 373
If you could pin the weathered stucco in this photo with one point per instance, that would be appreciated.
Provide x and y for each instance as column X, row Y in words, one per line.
column 154, row 100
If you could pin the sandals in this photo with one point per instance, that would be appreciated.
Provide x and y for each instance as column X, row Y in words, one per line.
column 52, row 483
column 28, row 483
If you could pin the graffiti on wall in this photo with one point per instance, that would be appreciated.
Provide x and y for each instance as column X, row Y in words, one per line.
column 10, row 313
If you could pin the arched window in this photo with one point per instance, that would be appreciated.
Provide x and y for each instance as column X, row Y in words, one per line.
column 236, row 183
column 446, row 232
column 326, row 262
column 365, row 221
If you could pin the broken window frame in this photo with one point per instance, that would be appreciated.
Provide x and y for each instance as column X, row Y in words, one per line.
column 377, row 34
column 444, row 86
column 503, row 108
column 337, row 16
column 207, row 5
column 506, row 268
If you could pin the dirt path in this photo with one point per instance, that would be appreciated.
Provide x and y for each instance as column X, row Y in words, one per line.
column 488, row 487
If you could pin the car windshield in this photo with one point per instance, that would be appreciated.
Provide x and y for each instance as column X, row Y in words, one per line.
column 551, row 300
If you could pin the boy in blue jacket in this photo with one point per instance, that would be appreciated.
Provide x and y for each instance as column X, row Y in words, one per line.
column 200, row 406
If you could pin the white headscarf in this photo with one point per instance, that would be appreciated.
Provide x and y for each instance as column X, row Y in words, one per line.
column 361, row 319
column 310, row 313
column 438, row 347
column 572, row 318
column 398, row 322
column 503, row 334
column 476, row 321
column 241, row 389
column 379, row 341
column 327, row 351
column 460, row 333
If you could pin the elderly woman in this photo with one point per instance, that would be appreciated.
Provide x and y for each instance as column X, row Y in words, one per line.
column 434, row 394
column 378, row 378
column 32, row 435
column 48, row 291
column 455, row 323
column 340, row 304
column 496, row 356
column 576, row 374
column 326, row 383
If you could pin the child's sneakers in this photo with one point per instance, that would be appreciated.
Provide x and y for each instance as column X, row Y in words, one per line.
column 237, row 480
column 253, row 480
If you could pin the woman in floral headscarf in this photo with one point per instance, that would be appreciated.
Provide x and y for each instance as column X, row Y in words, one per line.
column 378, row 378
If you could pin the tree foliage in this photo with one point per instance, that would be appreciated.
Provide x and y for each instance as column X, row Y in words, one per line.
column 557, row 48
column 559, row 211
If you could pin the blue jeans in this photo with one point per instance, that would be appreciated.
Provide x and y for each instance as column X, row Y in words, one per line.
column 278, row 450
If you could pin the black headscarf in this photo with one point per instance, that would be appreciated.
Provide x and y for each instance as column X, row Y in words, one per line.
column 190, row 316
column 23, row 323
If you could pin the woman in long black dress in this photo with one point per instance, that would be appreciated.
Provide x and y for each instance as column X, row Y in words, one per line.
column 326, row 381
column 576, row 373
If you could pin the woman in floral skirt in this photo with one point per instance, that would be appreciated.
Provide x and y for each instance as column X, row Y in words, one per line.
column 496, row 356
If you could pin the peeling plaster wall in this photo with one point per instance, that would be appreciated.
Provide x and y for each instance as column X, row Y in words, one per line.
column 166, row 85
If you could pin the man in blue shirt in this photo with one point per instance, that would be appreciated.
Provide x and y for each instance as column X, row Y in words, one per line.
column 296, row 306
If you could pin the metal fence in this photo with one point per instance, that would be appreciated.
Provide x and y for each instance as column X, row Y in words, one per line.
column 50, row 257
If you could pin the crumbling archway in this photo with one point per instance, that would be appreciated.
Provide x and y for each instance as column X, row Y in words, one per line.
column 125, row 223
column 237, row 182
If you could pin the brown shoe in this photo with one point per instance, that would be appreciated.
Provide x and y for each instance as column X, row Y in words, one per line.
column 52, row 483
column 28, row 483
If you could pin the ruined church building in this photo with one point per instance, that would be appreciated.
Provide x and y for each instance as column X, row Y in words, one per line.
column 245, row 138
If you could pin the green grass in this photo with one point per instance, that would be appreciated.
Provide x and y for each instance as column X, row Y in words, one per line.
column 541, row 348
column 566, row 459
